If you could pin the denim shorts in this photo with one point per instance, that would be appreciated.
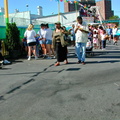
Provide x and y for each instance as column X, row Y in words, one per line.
column 49, row 41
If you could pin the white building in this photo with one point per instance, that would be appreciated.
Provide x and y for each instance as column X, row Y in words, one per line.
column 25, row 18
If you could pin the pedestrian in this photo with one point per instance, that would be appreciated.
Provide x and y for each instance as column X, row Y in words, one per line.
column 100, row 33
column 104, row 37
column 114, row 31
column 81, row 31
column 41, row 33
column 95, row 40
column 48, row 37
column 30, row 34
column 72, row 33
column 109, row 33
column 59, row 44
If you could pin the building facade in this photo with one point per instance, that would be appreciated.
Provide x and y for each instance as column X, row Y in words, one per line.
column 68, row 7
column 105, row 8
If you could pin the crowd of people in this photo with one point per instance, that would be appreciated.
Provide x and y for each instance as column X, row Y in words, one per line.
column 99, row 35
column 53, row 44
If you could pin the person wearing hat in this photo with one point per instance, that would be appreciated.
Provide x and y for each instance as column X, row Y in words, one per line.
column 59, row 44
column 81, row 32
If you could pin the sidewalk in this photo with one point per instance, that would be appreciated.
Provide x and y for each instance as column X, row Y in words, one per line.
column 21, row 70
column 73, row 91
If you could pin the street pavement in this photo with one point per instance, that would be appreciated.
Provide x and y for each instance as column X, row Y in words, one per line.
column 37, row 90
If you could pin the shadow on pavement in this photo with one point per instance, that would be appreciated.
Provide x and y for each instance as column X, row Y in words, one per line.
column 108, row 61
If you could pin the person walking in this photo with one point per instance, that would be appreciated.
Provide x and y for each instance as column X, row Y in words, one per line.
column 104, row 37
column 59, row 44
column 81, row 32
column 109, row 33
column 115, row 38
column 30, row 34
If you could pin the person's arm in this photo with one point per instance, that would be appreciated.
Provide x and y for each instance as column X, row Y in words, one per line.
column 35, row 34
column 77, row 28
column 25, row 34
column 84, row 30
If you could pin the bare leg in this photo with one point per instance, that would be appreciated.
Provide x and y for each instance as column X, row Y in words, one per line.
column 34, row 51
column 52, row 50
column 48, row 49
column 29, row 50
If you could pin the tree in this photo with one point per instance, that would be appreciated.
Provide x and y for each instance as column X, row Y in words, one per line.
column 12, row 41
column 115, row 17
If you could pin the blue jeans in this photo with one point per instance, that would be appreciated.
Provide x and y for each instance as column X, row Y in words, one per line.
column 103, row 43
column 81, row 51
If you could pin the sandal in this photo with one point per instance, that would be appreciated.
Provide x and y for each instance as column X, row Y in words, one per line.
column 66, row 62
column 57, row 64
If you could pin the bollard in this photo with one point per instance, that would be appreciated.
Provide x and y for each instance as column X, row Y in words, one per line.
column 3, row 48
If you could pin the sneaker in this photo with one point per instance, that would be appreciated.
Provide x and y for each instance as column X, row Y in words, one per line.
column 54, row 57
column 29, row 58
column 36, row 58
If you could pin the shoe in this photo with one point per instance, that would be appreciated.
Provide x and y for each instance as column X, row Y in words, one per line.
column 36, row 58
column 29, row 58
column 83, row 63
column 44, row 57
column 57, row 64
column 78, row 62
column 54, row 57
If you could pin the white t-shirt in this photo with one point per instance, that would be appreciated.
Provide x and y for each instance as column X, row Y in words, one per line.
column 30, row 34
column 114, row 30
column 103, row 36
column 41, row 33
column 48, row 34
column 81, row 36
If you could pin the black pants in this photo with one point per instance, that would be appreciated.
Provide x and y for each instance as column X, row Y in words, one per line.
column 1, row 57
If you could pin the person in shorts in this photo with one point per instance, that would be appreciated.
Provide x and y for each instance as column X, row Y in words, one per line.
column 30, row 34
column 48, row 38
column 41, row 33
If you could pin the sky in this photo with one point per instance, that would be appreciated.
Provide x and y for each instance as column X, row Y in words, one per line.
column 49, row 6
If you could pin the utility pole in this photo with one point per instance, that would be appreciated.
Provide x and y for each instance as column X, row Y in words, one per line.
column 58, row 10
column 6, row 11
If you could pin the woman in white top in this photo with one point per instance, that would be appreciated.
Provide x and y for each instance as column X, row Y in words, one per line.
column 30, row 34
column 114, row 31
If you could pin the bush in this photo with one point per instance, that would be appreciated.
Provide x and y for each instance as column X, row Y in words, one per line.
column 12, row 42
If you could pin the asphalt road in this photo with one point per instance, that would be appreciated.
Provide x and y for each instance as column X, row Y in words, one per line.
column 36, row 90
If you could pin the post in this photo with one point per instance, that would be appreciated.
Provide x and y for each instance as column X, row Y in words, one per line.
column 58, row 10
column 76, row 8
column 6, row 11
